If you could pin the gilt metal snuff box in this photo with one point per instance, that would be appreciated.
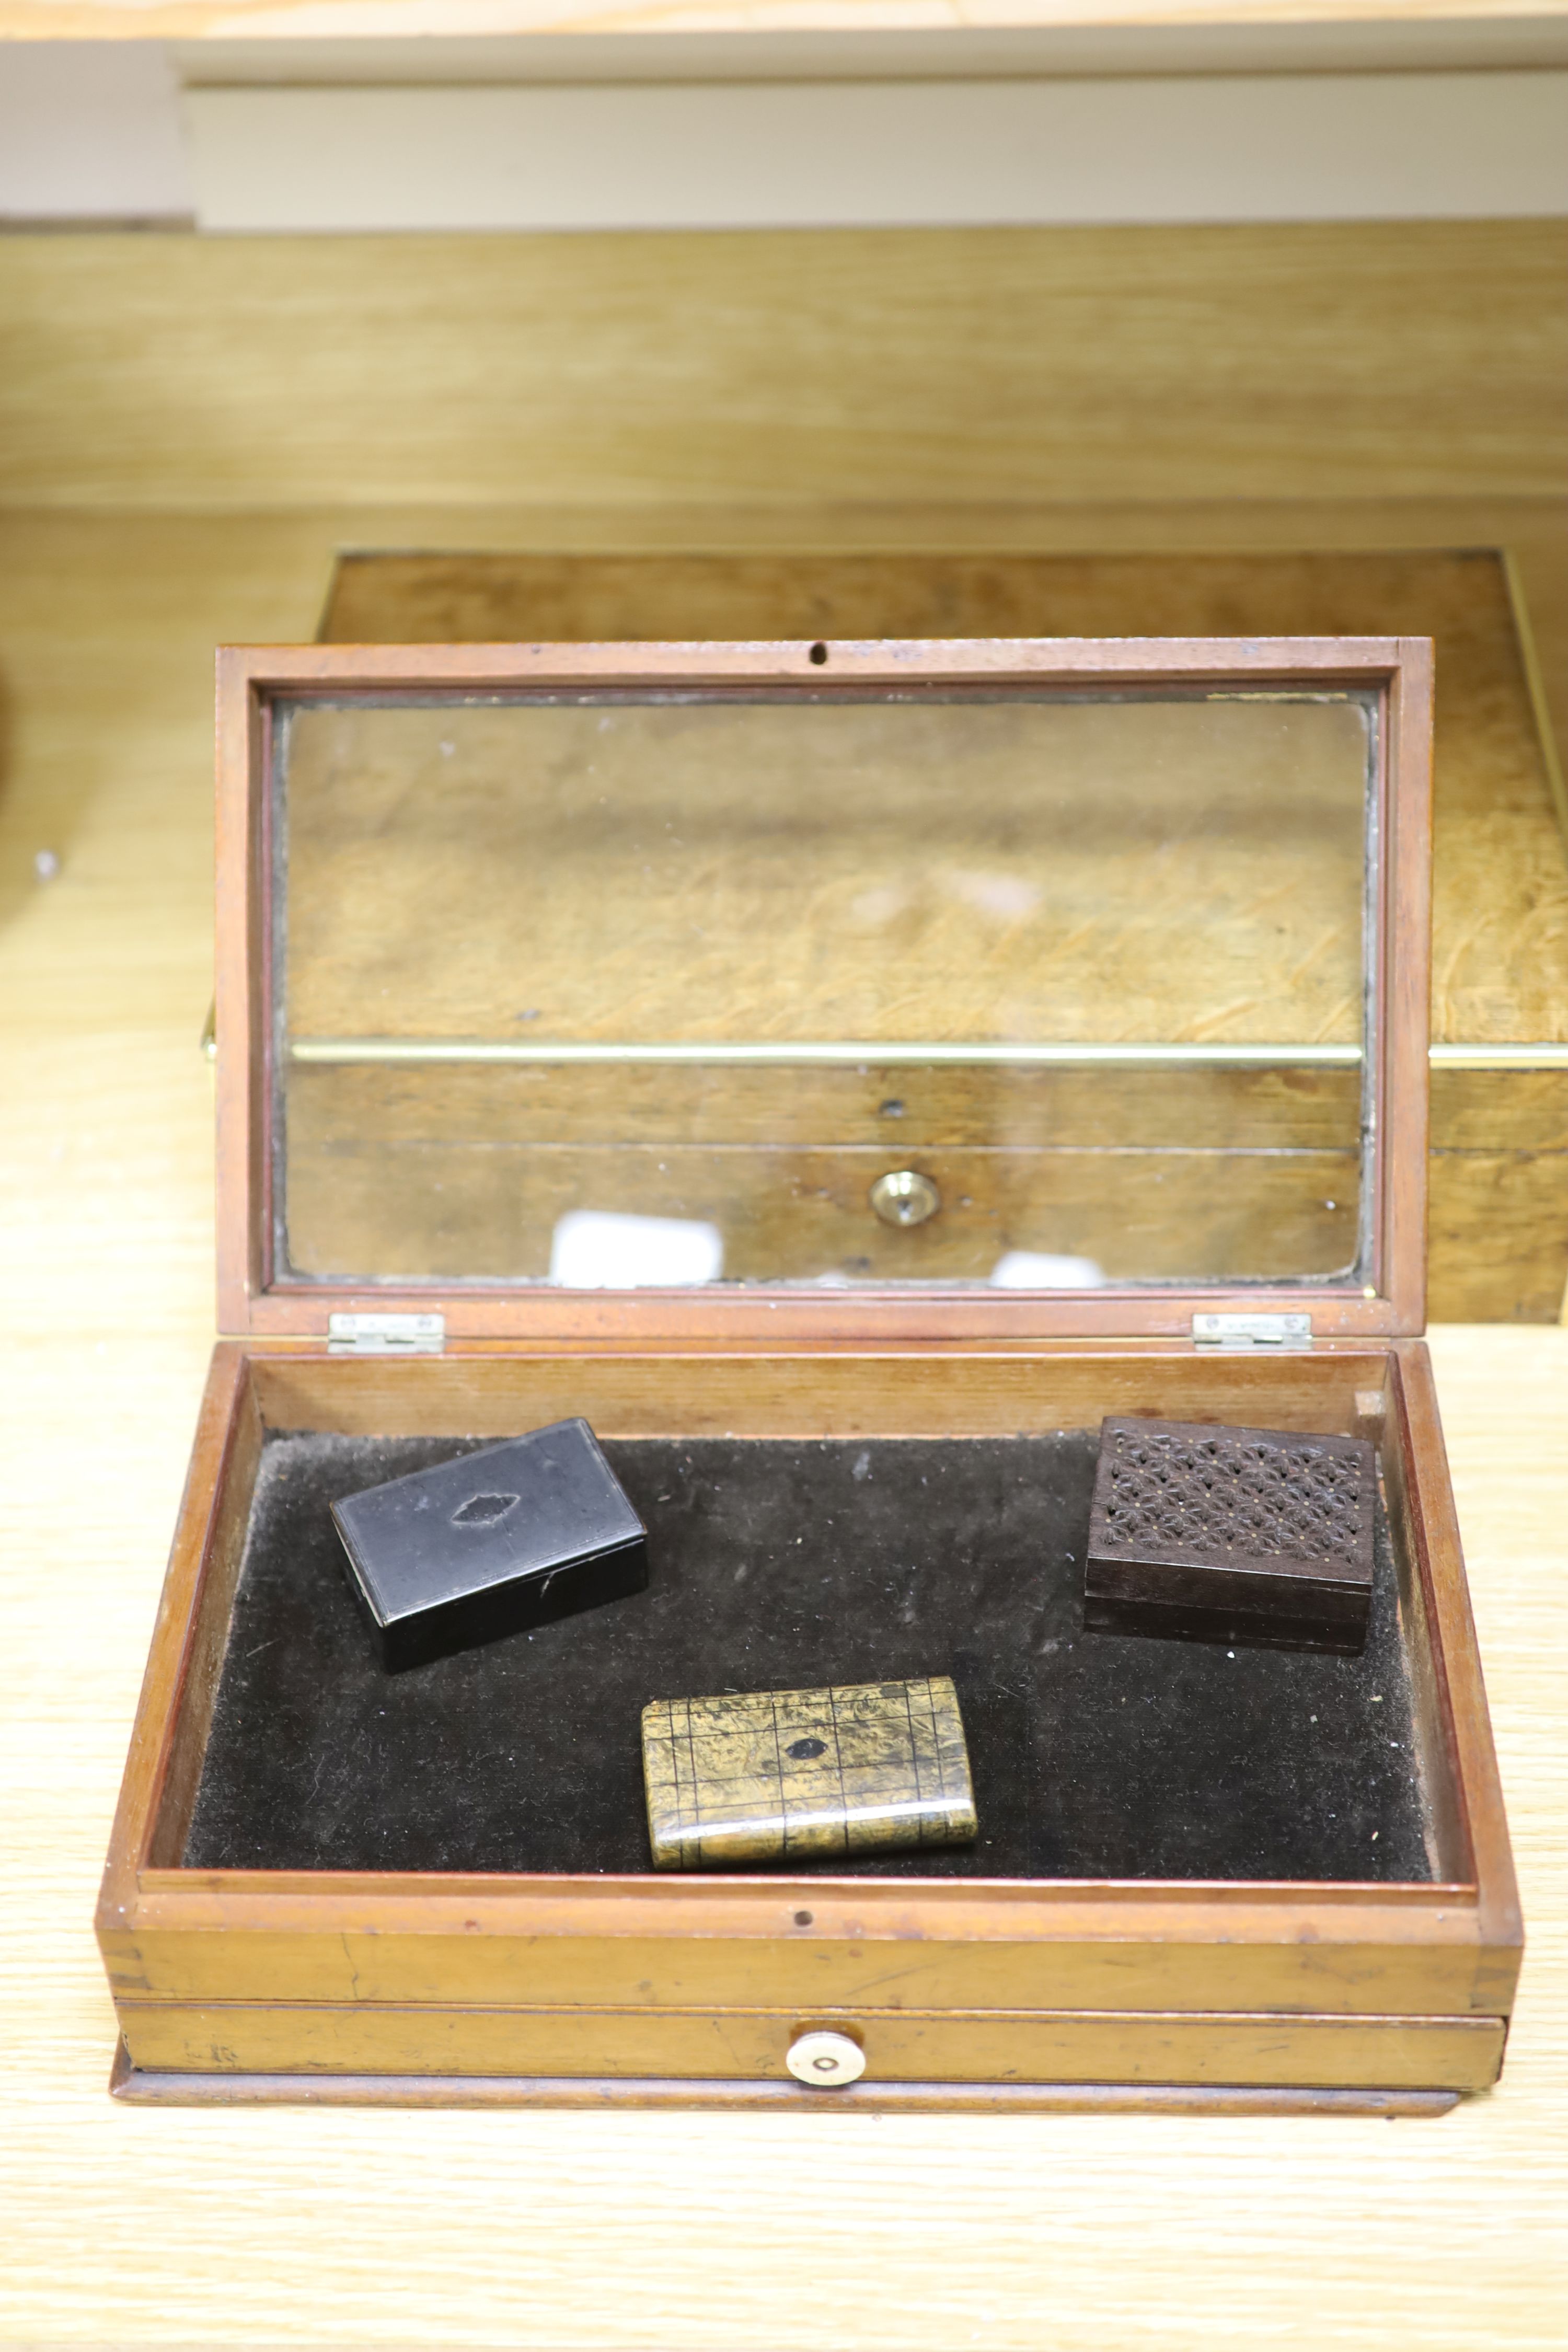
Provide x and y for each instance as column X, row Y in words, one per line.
column 804, row 1775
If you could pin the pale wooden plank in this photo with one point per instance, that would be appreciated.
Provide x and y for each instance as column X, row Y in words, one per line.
column 1411, row 358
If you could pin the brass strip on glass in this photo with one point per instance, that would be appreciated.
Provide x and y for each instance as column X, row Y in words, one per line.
column 1546, row 1055
column 1543, row 1057
column 852, row 1051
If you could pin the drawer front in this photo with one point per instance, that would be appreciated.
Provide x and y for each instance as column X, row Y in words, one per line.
column 1389, row 2052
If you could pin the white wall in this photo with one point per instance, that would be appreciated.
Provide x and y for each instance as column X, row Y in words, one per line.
column 823, row 154
column 89, row 130
column 102, row 130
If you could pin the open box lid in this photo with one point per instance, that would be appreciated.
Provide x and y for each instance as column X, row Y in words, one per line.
column 846, row 992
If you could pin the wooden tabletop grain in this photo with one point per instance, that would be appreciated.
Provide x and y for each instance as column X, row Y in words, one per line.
column 126, row 2226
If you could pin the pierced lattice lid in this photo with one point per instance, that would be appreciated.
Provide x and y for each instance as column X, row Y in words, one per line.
column 1185, row 1495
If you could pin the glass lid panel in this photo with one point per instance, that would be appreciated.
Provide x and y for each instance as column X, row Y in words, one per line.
column 1045, row 990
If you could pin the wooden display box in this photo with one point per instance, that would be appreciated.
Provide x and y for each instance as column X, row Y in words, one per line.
column 248, row 1961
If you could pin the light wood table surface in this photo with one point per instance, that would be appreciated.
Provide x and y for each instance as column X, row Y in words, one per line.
column 130, row 2227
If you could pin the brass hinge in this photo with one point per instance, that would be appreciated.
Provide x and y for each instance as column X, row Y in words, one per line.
column 385, row 1335
column 1252, row 1333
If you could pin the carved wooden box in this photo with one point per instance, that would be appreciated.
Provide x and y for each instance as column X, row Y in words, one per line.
column 711, row 1041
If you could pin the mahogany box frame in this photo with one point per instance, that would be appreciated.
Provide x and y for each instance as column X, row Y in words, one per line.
column 456, row 1988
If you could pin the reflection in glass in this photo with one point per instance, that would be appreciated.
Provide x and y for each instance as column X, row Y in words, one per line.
column 1095, row 967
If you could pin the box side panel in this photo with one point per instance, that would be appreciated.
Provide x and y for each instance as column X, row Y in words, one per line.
column 1404, row 1001
column 184, row 1662
column 212, row 1608
column 1438, row 1972
column 1464, row 1787
column 846, row 1392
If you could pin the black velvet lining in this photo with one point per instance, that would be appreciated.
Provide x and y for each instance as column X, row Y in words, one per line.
column 777, row 1564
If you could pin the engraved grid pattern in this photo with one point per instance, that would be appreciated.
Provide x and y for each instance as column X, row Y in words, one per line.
column 1228, row 1494
column 766, row 1776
